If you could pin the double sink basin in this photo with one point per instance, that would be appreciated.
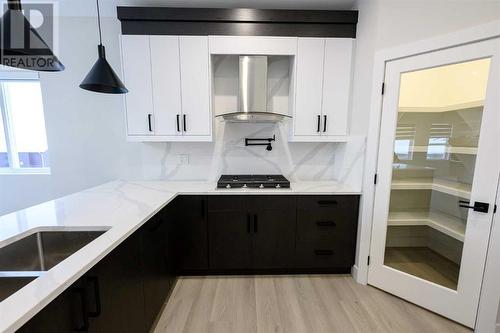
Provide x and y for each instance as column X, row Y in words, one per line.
column 28, row 258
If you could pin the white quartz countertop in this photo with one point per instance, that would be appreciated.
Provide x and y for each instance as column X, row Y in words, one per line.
column 120, row 207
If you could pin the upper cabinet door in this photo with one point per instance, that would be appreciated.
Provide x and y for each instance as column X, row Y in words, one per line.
column 166, row 78
column 336, row 85
column 195, row 86
column 309, row 86
column 137, row 77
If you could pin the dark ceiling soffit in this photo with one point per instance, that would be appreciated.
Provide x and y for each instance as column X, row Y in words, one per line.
column 237, row 22
column 236, row 15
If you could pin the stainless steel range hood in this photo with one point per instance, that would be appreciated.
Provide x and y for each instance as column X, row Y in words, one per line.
column 252, row 98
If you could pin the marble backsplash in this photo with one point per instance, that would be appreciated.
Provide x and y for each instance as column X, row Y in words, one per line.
column 227, row 154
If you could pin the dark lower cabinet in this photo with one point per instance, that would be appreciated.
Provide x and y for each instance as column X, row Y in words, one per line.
column 191, row 235
column 251, row 232
column 273, row 231
column 124, row 292
column 222, row 234
column 326, row 232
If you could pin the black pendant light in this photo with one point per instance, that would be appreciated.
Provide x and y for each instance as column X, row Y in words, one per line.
column 34, row 54
column 102, row 78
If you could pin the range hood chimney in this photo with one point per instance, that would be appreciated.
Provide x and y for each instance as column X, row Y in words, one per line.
column 252, row 99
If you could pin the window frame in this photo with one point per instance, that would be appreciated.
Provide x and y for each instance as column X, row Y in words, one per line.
column 10, row 141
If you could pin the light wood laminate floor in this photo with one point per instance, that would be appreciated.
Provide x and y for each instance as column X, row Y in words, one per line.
column 302, row 304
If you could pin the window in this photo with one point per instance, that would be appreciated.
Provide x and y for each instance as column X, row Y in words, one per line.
column 23, row 141
column 405, row 138
column 439, row 136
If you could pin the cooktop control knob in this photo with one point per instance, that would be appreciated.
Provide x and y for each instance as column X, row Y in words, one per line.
column 228, row 186
column 245, row 186
column 278, row 186
column 261, row 186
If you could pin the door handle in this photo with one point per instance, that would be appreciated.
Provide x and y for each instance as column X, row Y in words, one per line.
column 319, row 125
column 324, row 123
column 184, row 122
column 178, row 126
column 150, row 126
column 481, row 207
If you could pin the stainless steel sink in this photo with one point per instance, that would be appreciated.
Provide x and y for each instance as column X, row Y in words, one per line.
column 27, row 258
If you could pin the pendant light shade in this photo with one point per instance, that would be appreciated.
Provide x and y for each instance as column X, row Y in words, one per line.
column 102, row 78
column 15, row 29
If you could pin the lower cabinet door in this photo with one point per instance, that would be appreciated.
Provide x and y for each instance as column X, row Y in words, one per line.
column 230, row 243
column 191, row 241
column 121, row 289
column 273, row 227
column 157, row 272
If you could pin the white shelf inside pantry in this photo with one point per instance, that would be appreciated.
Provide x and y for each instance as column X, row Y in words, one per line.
column 445, row 186
column 449, row 150
column 449, row 225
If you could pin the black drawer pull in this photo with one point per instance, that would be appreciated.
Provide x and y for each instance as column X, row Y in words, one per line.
column 323, row 252
column 327, row 202
column 326, row 224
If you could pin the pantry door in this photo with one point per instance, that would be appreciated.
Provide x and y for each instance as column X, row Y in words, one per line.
column 438, row 169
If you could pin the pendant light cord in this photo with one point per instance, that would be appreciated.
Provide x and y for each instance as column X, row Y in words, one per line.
column 99, row 22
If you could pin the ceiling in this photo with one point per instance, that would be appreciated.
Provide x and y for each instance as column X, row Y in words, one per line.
column 108, row 7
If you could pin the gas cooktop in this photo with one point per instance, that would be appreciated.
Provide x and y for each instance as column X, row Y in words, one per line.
column 253, row 181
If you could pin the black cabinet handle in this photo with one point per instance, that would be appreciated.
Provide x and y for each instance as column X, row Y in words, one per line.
column 326, row 224
column 150, row 126
column 319, row 121
column 248, row 223
column 481, row 207
column 255, row 223
column 82, row 293
column 97, row 296
column 184, row 122
column 327, row 202
column 323, row 252
column 178, row 126
column 324, row 123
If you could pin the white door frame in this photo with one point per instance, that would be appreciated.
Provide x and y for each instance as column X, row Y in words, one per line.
column 470, row 35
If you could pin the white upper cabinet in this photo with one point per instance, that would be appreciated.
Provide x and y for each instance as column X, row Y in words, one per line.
column 337, row 85
column 309, row 86
column 137, row 77
column 169, row 88
column 195, row 86
column 322, row 90
column 166, row 78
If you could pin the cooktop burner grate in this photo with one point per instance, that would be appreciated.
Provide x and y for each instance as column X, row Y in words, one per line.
column 253, row 181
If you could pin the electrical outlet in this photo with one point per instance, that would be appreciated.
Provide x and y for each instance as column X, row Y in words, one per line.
column 183, row 159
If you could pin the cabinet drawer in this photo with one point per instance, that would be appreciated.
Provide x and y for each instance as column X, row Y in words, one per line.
column 312, row 226
column 349, row 203
column 325, row 254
